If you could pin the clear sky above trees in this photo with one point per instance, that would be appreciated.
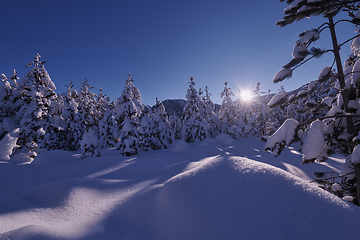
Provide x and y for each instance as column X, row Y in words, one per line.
column 162, row 43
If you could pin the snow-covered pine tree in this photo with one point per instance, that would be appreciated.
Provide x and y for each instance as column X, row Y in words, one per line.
column 262, row 112
column 194, row 126
column 70, row 120
column 5, row 93
column 108, row 130
column 161, row 128
column 105, row 116
column 101, row 105
column 175, row 126
column 86, row 107
column 128, row 110
column 337, row 129
column 209, row 114
column 146, row 130
column 130, row 96
column 227, row 112
column 129, row 135
column 9, row 96
column 38, row 93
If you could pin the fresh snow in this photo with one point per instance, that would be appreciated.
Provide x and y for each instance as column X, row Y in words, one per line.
column 7, row 144
column 324, row 72
column 282, row 74
column 314, row 142
column 355, row 156
column 214, row 189
column 279, row 97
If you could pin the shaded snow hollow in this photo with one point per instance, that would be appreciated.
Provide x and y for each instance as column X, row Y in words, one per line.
column 215, row 189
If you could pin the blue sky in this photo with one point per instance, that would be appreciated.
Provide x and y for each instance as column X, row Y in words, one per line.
column 161, row 43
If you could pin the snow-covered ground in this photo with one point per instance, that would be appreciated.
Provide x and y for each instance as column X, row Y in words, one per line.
column 216, row 189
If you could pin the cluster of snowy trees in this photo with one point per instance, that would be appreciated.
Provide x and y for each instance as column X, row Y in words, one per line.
column 324, row 115
column 34, row 117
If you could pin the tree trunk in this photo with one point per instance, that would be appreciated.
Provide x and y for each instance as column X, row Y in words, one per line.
column 344, row 92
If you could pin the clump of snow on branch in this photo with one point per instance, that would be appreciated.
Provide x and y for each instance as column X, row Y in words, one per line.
column 283, row 136
column 282, row 75
column 327, row 101
column 311, row 86
column 314, row 142
column 324, row 73
column 302, row 93
column 277, row 99
column 309, row 36
column 7, row 144
column 355, row 156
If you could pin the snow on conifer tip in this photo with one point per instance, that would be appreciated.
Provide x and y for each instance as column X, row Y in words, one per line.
column 282, row 75
column 277, row 99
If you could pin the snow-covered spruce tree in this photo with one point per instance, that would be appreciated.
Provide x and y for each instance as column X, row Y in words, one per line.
column 70, row 120
column 227, row 112
column 175, row 126
column 128, row 143
column 5, row 93
column 9, row 96
column 194, row 127
column 262, row 113
column 209, row 114
column 105, row 116
column 161, row 126
column 102, row 103
column 146, row 130
column 108, row 130
column 86, row 107
column 337, row 130
column 128, row 110
column 37, row 95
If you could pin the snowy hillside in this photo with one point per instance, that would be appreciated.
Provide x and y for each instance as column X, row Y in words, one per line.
column 215, row 189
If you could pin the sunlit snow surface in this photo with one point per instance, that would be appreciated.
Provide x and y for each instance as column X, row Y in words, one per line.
column 216, row 189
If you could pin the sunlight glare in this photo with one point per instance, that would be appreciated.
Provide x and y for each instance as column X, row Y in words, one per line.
column 246, row 95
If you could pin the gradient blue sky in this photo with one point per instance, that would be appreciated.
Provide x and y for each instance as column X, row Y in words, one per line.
column 162, row 43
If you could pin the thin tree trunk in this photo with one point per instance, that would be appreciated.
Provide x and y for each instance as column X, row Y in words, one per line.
column 344, row 92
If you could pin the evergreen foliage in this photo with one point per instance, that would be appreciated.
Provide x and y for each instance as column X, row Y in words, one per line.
column 194, row 127
column 327, row 108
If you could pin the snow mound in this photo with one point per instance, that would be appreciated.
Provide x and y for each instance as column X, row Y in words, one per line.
column 231, row 198
column 223, row 139
column 51, row 157
column 21, row 158
column 180, row 146
column 203, row 193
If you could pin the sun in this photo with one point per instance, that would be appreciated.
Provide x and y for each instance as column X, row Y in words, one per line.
column 246, row 95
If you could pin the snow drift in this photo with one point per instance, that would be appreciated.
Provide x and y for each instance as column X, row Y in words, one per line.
column 209, row 191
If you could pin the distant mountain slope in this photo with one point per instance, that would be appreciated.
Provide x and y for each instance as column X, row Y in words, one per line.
column 176, row 106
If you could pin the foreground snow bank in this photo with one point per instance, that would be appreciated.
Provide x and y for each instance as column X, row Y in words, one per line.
column 230, row 198
column 209, row 191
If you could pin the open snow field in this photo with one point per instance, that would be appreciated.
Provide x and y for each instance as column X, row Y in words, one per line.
column 216, row 189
